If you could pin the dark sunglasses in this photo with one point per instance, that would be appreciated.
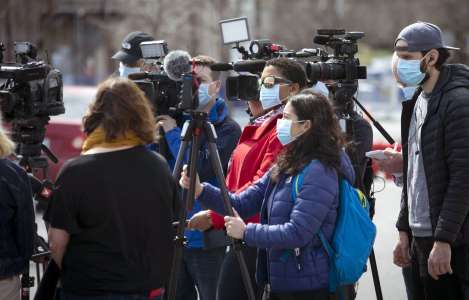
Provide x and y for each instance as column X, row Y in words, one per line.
column 270, row 81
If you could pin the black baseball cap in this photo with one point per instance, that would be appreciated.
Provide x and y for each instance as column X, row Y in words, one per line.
column 130, row 49
column 421, row 36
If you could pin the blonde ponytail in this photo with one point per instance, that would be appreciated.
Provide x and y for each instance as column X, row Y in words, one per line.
column 6, row 144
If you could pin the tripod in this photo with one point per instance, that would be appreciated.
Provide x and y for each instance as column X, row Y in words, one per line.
column 343, row 93
column 192, row 131
column 29, row 133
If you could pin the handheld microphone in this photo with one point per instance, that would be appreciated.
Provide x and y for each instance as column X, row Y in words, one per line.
column 176, row 63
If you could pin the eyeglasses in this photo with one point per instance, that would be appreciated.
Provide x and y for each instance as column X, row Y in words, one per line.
column 270, row 81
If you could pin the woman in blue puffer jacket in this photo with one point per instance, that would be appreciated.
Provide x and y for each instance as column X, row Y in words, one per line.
column 291, row 261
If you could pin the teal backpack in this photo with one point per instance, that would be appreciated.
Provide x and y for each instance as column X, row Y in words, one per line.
column 353, row 237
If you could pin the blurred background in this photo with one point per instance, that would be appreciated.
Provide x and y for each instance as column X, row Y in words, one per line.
column 79, row 37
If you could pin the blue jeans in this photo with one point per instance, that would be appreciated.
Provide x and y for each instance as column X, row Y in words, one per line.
column 200, row 268
column 67, row 296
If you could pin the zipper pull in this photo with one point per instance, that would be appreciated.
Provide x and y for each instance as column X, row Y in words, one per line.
column 298, row 261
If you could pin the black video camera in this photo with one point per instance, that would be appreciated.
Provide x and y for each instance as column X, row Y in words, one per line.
column 29, row 88
column 171, row 92
column 340, row 70
column 342, row 64
column 30, row 92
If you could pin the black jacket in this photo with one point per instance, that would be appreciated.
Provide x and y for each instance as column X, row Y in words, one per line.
column 445, row 150
column 16, row 220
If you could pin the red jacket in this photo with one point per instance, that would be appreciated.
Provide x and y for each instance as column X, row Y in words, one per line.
column 257, row 150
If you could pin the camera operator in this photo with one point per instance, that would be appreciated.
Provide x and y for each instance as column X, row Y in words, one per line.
column 433, row 222
column 112, row 210
column 258, row 148
column 16, row 221
column 205, row 250
column 130, row 55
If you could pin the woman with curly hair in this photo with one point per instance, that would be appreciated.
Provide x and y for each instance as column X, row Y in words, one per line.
column 291, row 262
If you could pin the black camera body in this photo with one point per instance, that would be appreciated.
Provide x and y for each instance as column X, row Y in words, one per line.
column 30, row 92
column 162, row 92
column 29, row 88
column 342, row 64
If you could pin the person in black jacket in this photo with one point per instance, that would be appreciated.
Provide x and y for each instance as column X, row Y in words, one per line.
column 434, row 164
column 16, row 221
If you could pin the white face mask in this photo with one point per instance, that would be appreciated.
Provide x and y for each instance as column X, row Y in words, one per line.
column 270, row 97
column 124, row 71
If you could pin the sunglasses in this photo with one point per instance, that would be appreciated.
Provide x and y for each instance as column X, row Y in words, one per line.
column 270, row 81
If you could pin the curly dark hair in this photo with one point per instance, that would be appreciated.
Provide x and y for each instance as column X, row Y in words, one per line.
column 290, row 69
column 322, row 141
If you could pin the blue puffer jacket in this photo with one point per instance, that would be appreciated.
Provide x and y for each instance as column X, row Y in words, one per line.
column 286, row 225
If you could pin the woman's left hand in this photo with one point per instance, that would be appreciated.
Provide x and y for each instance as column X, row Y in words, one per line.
column 235, row 226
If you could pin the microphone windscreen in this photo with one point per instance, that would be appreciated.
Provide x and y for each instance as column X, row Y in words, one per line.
column 176, row 63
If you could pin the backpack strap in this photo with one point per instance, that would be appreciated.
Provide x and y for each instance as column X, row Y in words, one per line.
column 297, row 182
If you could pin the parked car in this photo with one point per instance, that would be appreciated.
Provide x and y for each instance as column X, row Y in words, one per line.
column 64, row 135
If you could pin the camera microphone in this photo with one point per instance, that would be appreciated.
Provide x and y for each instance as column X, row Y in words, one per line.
column 176, row 63
column 138, row 76
column 321, row 40
column 251, row 66
column 220, row 67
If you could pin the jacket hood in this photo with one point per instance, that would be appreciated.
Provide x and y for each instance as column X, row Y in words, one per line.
column 453, row 76
column 346, row 168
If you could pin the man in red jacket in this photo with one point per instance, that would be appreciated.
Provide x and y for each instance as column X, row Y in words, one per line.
column 257, row 150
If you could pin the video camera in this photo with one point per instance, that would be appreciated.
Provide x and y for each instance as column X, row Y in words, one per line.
column 340, row 70
column 168, row 83
column 342, row 64
column 30, row 92
column 245, row 84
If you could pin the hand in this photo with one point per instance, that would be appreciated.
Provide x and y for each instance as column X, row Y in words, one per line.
column 201, row 221
column 402, row 251
column 439, row 261
column 166, row 122
column 235, row 226
column 184, row 182
column 393, row 164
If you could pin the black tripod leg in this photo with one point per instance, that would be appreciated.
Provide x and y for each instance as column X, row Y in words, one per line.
column 179, row 238
column 188, row 201
column 218, row 170
column 374, row 272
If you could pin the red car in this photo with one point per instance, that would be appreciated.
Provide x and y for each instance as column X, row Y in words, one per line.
column 64, row 135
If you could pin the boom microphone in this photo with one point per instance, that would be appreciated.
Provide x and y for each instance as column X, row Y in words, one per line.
column 176, row 63
column 138, row 76
column 251, row 66
column 221, row 67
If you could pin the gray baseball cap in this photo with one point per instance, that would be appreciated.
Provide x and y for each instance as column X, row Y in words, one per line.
column 421, row 36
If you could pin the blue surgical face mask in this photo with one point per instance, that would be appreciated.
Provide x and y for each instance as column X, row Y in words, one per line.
column 270, row 97
column 284, row 131
column 204, row 97
column 408, row 91
column 124, row 71
column 408, row 71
